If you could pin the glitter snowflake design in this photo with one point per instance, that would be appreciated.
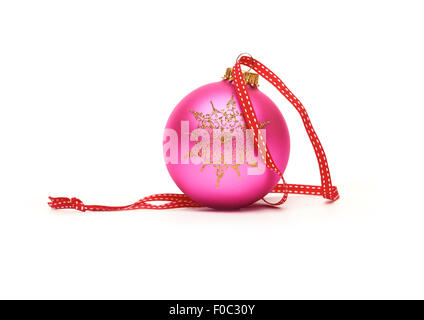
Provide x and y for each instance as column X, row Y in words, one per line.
column 225, row 119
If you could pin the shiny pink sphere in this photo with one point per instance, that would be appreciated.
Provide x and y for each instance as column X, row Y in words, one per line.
column 224, row 186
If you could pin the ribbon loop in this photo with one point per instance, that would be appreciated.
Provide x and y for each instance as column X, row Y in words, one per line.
column 327, row 190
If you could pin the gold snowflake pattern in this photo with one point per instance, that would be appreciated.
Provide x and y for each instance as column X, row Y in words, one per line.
column 227, row 119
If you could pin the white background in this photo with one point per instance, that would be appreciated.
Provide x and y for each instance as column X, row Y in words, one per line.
column 86, row 88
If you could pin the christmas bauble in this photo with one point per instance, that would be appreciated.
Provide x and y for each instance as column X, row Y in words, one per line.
column 209, row 152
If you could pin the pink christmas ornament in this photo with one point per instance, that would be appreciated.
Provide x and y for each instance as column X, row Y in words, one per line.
column 234, row 183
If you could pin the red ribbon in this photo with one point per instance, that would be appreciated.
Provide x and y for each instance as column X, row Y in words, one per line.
column 326, row 189
column 173, row 201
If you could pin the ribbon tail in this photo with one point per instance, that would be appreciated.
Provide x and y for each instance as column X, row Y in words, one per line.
column 172, row 201
column 67, row 203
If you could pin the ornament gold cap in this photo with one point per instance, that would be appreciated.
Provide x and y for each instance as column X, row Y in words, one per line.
column 249, row 77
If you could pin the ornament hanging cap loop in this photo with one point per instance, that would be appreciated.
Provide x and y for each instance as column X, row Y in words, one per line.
column 248, row 76
column 251, row 57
